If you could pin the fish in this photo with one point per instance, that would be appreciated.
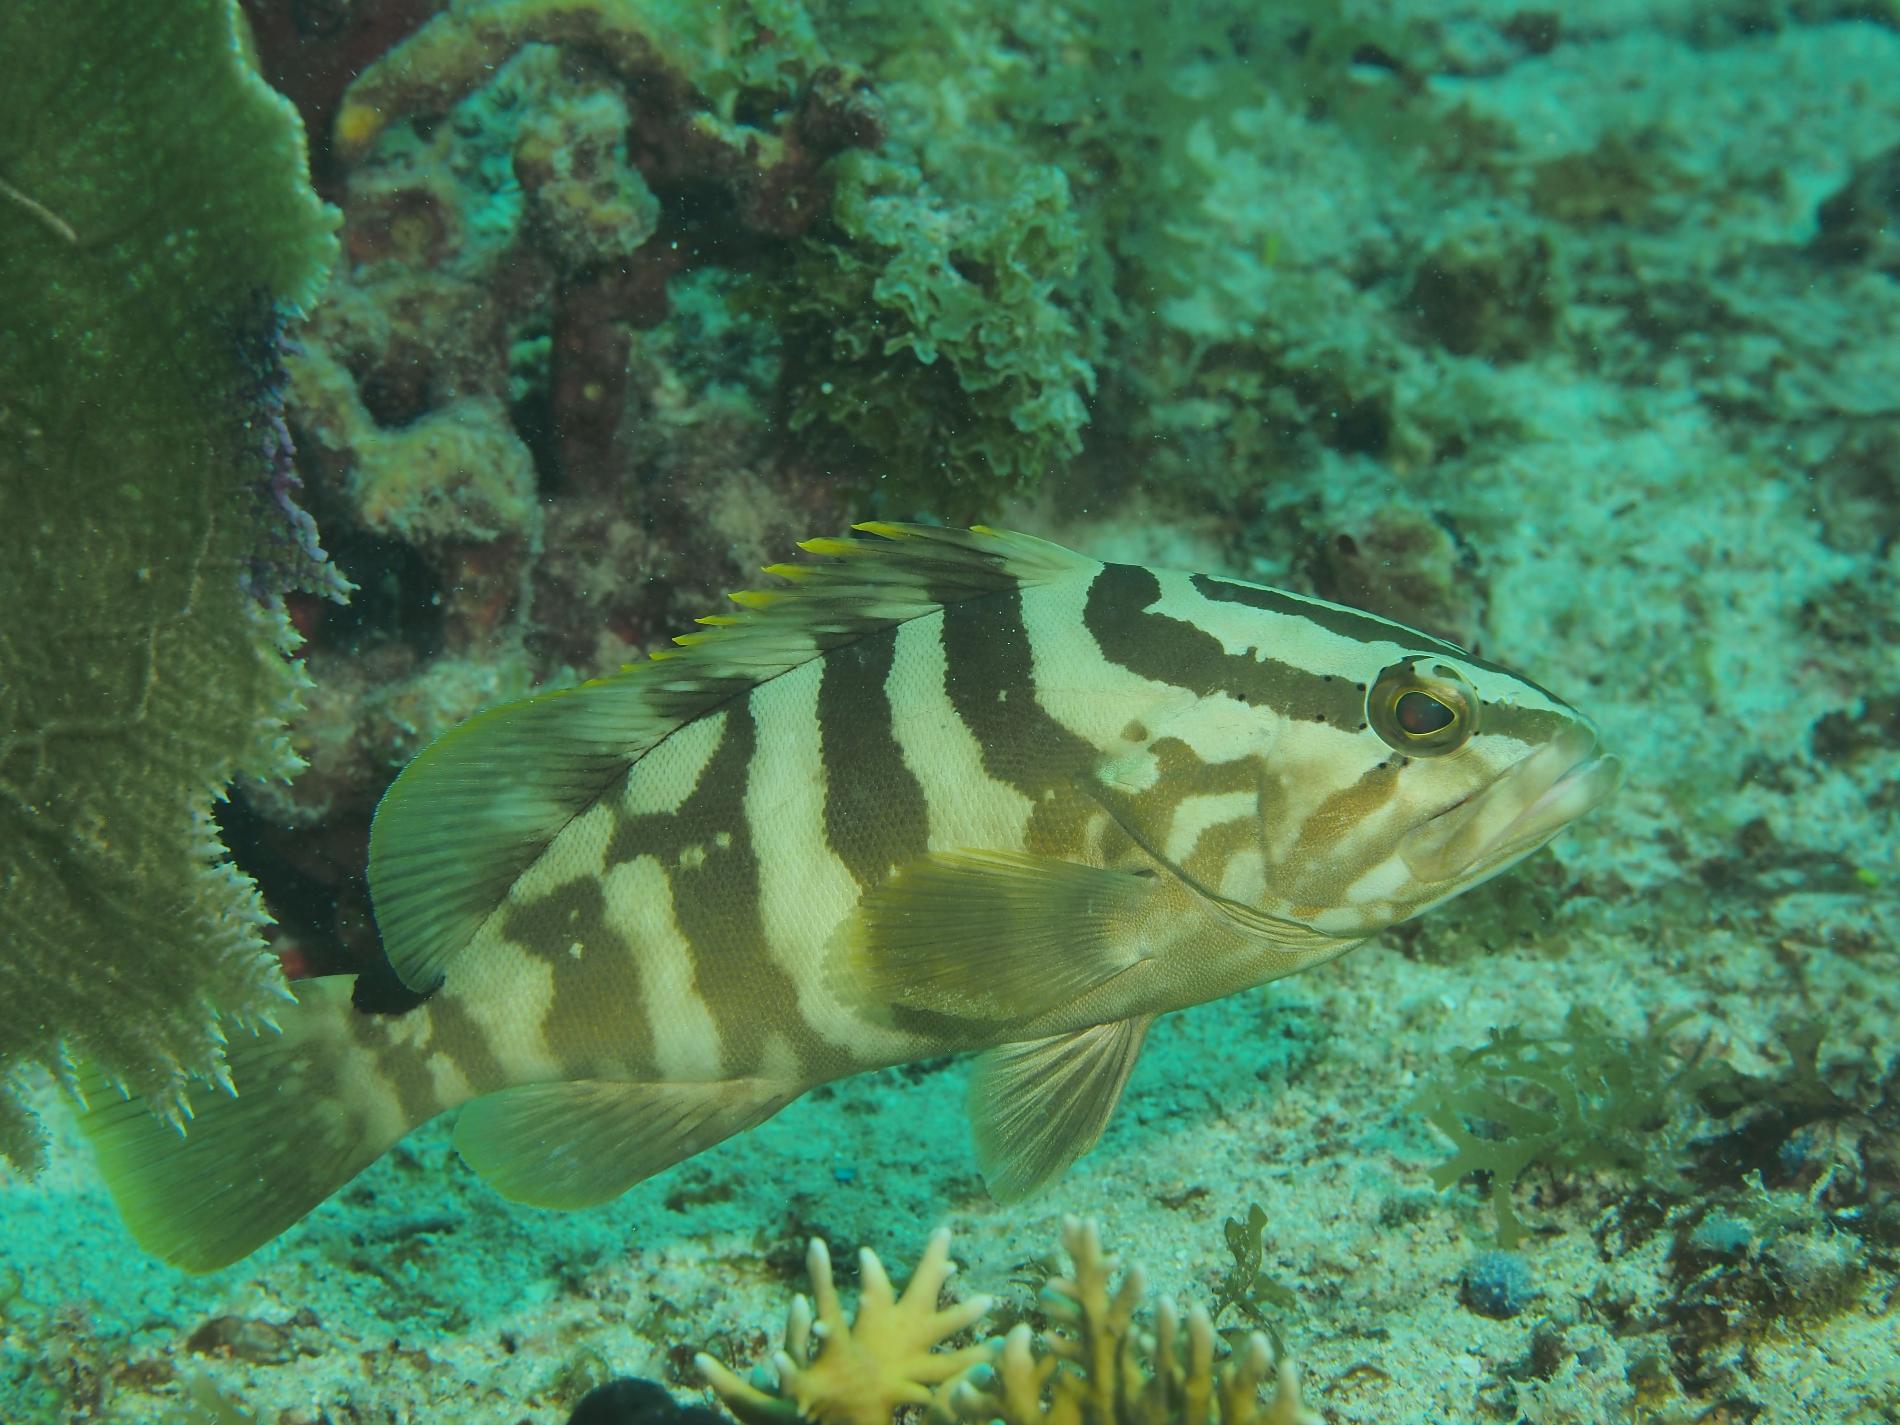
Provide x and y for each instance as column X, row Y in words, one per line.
column 938, row 791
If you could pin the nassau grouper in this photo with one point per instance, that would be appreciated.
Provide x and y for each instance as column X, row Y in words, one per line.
column 944, row 791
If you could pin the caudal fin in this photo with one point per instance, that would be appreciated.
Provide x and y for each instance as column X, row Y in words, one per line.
column 312, row 1110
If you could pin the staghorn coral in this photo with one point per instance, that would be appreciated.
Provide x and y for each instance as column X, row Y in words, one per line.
column 155, row 219
column 1098, row 1368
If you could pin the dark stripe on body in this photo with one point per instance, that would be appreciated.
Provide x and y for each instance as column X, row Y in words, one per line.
column 989, row 678
column 1171, row 650
column 875, row 816
column 716, row 904
column 1535, row 726
column 1218, row 845
column 1349, row 807
column 405, row 1067
column 1334, row 618
column 455, row 1034
column 1351, row 623
column 1181, row 774
column 596, row 1019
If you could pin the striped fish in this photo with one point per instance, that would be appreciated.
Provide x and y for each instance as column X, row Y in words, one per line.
column 944, row 791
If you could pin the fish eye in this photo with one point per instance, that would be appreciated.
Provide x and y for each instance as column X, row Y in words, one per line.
column 1422, row 713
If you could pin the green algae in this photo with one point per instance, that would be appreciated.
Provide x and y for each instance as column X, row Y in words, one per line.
column 157, row 219
column 1585, row 1100
column 1246, row 1286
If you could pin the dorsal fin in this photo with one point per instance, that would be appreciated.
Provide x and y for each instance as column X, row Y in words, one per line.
column 483, row 801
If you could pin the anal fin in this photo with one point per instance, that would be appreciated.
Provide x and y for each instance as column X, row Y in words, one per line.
column 1039, row 1105
column 585, row 1141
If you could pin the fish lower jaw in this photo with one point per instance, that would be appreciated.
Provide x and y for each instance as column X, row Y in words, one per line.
column 1513, row 816
column 1579, row 789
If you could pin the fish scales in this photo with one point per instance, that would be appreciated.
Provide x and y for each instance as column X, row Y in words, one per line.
column 949, row 791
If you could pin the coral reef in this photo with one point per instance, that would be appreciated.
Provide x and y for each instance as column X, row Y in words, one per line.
column 629, row 300
column 1095, row 1368
column 1568, row 335
column 155, row 226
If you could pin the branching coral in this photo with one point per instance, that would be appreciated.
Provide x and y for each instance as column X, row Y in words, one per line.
column 156, row 222
column 1098, row 1368
column 1102, row 1370
column 858, row 1372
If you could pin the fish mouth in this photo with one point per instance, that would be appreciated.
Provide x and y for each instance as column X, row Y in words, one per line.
column 1519, row 811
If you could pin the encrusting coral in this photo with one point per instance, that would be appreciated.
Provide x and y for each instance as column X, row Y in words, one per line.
column 156, row 227
column 1098, row 1368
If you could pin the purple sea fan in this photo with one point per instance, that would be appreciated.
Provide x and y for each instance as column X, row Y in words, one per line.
column 287, row 554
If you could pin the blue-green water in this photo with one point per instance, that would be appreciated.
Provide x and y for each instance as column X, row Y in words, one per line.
column 1567, row 337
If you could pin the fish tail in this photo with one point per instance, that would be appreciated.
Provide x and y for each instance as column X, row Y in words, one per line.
column 310, row 1107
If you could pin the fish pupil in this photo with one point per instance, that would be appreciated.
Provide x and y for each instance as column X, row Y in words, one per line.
column 1421, row 713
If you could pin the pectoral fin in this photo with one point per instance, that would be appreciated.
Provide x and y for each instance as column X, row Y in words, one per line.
column 586, row 1141
column 996, row 935
column 1038, row 1106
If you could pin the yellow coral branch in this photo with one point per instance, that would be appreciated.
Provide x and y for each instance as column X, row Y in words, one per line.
column 860, row 1372
column 1100, row 1370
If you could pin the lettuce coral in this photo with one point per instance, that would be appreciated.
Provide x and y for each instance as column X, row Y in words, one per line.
column 155, row 223
column 933, row 335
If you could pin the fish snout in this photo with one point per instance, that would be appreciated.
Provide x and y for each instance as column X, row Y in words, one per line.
column 1530, row 802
